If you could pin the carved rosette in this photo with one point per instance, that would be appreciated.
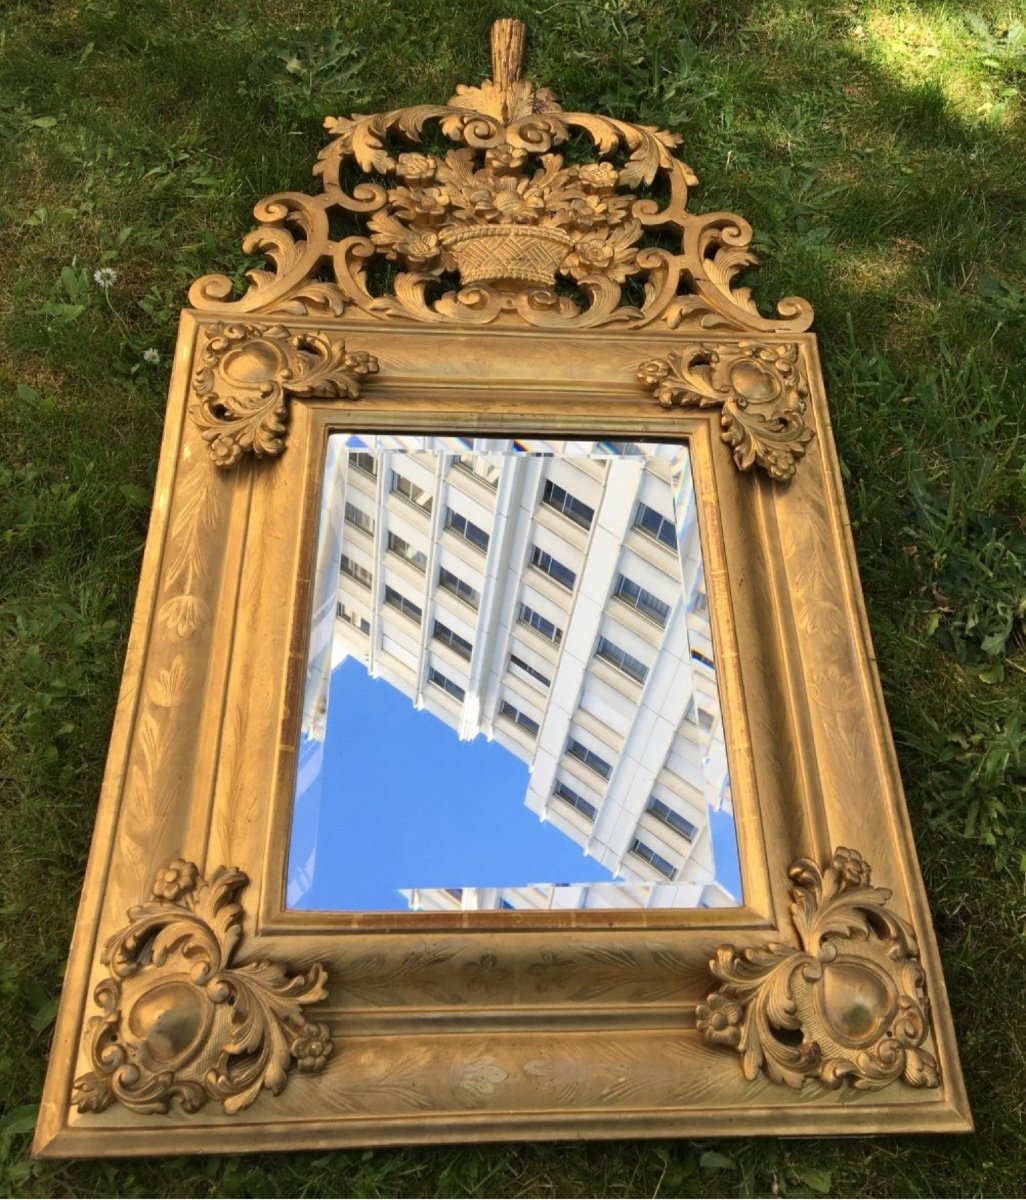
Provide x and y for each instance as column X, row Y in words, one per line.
column 180, row 1021
column 849, row 1003
column 247, row 373
column 501, row 228
column 759, row 389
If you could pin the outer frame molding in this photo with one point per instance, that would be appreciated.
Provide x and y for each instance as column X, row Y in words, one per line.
column 488, row 1026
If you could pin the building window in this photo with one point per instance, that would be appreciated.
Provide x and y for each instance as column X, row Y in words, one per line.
column 698, row 656
column 406, row 607
column 561, row 500
column 455, row 585
column 443, row 633
column 656, row 860
column 367, row 463
column 416, row 558
column 359, row 518
column 705, row 718
column 466, row 529
column 663, row 812
column 482, row 467
column 446, row 684
column 418, row 496
column 569, row 796
column 590, row 759
column 355, row 571
column 518, row 718
column 640, row 598
column 526, row 667
column 655, row 525
column 555, row 570
column 540, row 624
column 621, row 660
column 352, row 618
column 699, row 602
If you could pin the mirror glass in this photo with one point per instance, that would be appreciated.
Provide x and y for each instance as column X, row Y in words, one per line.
column 511, row 696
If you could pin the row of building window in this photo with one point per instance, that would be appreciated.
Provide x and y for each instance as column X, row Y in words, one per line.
column 480, row 466
column 590, row 759
column 647, row 519
column 528, row 724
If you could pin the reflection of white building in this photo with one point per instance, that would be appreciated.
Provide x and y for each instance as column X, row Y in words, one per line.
column 538, row 599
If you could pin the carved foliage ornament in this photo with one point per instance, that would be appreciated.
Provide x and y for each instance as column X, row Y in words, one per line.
column 246, row 374
column 181, row 1021
column 850, row 1003
column 759, row 388
column 501, row 229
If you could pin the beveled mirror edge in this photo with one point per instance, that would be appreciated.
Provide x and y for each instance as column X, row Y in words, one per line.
column 890, row 851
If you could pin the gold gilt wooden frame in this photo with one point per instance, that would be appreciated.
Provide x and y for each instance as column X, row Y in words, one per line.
column 528, row 295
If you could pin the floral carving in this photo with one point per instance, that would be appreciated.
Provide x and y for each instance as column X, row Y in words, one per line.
column 181, row 1021
column 247, row 372
column 759, row 388
column 501, row 228
column 848, row 1003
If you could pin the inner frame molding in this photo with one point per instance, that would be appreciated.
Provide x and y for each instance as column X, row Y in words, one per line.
column 193, row 994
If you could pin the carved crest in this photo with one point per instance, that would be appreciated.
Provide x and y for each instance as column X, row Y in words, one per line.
column 759, row 388
column 849, row 1004
column 502, row 228
column 181, row 1021
column 246, row 375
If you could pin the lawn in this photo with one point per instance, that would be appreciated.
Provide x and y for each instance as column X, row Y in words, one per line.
column 877, row 147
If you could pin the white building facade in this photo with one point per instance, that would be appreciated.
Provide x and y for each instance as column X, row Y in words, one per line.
column 551, row 597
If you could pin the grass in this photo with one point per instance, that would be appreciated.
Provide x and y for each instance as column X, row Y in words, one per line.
column 877, row 148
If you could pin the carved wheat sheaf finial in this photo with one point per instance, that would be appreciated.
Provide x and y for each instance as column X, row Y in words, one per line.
column 181, row 1021
column 848, row 1004
column 501, row 228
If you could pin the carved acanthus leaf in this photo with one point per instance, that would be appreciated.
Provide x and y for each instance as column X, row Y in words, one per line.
column 848, row 1003
column 181, row 1020
column 246, row 374
column 500, row 229
column 760, row 390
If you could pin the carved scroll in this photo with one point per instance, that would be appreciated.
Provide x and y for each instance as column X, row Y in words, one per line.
column 501, row 229
column 247, row 373
column 181, row 1021
column 850, row 1003
column 759, row 388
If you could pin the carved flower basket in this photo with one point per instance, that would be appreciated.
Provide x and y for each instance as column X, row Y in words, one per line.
column 507, row 253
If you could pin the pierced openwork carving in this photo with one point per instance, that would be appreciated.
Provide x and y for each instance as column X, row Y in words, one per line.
column 759, row 388
column 247, row 373
column 180, row 1021
column 500, row 229
column 849, row 1004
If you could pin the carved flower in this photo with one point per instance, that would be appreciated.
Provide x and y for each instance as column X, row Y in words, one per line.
column 719, row 1018
column 175, row 880
column 599, row 177
column 653, row 372
column 420, row 249
column 416, row 170
column 312, row 1048
column 361, row 363
column 429, row 205
column 849, row 864
column 509, row 202
column 225, row 450
column 588, row 211
column 505, row 160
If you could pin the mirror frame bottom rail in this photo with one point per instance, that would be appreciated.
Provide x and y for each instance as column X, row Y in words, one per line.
column 199, row 1015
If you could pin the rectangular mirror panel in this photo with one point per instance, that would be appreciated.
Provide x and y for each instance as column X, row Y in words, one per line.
column 511, row 696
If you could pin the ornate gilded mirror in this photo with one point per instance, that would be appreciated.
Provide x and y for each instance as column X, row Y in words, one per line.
column 500, row 751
